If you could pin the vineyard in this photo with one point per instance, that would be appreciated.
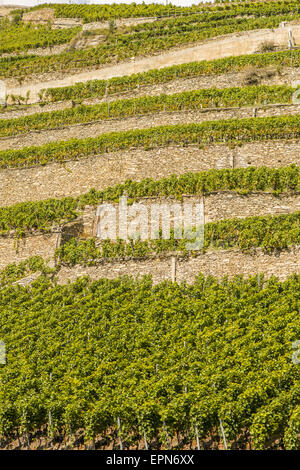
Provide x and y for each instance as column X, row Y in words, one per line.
column 42, row 215
column 21, row 37
column 150, row 38
column 94, row 13
column 230, row 130
column 160, row 361
column 100, row 88
column 150, row 342
column 228, row 97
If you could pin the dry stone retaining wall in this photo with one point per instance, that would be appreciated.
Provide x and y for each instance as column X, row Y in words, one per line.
column 81, row 131
column 215, row 263
column 77, row 177
column 119, row 22
column 2, row 93
column 13, row 250
column 217, row 206
column 223, row 46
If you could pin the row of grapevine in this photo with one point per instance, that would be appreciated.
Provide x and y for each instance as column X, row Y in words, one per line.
column 221, row 16
column 269, row 233
column 21, row 37
column 158, row 36
column 100, row 88
column 42, row 215
column 127, row 360
column 193, row 100
column 230, row 130
column 15, row 271
column 92, row 13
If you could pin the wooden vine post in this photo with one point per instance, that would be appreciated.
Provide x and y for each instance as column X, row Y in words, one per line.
column 173, row 269
column 119, row 429
column 223, row 434
column 145, row 440
column 197, row 438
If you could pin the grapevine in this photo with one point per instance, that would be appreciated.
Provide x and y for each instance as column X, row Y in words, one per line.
column 157, row 357
column 193, row 100
column 269, row 233
column 98, row 88
column 42, row 215
column 230, row 130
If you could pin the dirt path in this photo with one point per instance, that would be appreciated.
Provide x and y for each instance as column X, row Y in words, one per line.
column 232, row 45
column 81, row 131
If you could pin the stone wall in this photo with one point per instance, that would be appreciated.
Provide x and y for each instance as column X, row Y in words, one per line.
column 46, row 15
column 217, row 206
column 2, row 93
column 215, row 263
column 77, row 177
column 230, row 205
column 246, row 42
column 81, row 131
column 15, row 251
column 119, row 22
column 269, row 76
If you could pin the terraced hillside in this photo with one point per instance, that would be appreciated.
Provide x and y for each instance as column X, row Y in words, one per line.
column 119, row 342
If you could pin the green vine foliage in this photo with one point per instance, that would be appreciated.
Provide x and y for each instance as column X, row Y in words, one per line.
column 42, row 215
column 32, row 216
column 98, row 88
column 229, row 130
column 150, row 38
column 187, row 101
column 21, row 37
column 270, row 233
column 163, row 359
column 13, row 271
column 91, row 13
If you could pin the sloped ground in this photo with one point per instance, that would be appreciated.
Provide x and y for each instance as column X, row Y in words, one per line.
column 94, row 128
column 76, row 177
column 268, row 76
column 232, row 45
